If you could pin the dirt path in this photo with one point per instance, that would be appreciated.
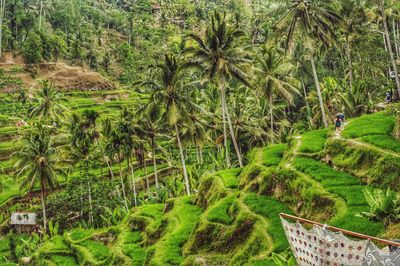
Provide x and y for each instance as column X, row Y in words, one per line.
column 364, row 144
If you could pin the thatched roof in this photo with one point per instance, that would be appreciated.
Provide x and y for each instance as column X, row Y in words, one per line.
column 23, row 218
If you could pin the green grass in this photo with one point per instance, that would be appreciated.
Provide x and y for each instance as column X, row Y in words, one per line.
column 270, row 208
column 313, row 141
column 324, row 174
column 54, row 245
column 60, row 260
column 182, row 220
column 136, row 253
column 4, row 245
column 230, row 177
column 273, row 154
column 345, row 186
column 97, row 249
column 383, row 141
column 80, row 234
column 375, row 124
column 220, row 211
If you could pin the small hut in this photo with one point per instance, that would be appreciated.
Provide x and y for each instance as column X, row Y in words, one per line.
column 23, row 222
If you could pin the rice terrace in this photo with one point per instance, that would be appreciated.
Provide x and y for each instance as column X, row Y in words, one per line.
column 200, row 132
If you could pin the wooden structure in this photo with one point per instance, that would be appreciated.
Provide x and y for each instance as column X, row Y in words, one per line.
column 23, row 222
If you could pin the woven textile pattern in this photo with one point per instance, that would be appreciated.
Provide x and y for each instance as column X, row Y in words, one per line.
column 321, row 247
column 374, row 256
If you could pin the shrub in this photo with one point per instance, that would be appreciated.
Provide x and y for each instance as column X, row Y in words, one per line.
column 32, row 49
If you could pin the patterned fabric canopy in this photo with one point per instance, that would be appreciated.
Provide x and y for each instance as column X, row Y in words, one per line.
column 318, row 246
column 374, row 256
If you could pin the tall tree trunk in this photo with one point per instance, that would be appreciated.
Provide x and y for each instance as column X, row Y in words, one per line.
column 271, row 113
column 43, row 205
column 146, row 174
column 178, row 138
column 122, row 184
column 90, row 203
column 109, row 169
column 40, row 14
column 395, row 36
column 201, row 154
column 2, row 11
column 389, row 46
column 321, row 103
column 227, row 155
column 231, row 127
column 349, row 62
column 133, row 183
column 89, row 192
column 153, row 145
column 307, row 104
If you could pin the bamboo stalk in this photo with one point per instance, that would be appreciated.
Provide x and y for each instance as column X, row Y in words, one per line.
column 336, row 229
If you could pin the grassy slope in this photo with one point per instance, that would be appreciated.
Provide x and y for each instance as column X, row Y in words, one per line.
column 235, row 225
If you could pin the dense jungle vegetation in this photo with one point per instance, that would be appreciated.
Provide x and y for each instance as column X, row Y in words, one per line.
column 174, row 132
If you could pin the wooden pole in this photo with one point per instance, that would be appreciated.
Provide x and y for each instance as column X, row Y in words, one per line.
column 336, row 229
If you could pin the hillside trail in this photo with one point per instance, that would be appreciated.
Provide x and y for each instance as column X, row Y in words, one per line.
column 363, row 144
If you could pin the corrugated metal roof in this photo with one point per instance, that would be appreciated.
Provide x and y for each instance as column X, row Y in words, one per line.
column 23, row 218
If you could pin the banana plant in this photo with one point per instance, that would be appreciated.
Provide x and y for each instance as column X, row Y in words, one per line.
column 384, row 205
column 284, row 259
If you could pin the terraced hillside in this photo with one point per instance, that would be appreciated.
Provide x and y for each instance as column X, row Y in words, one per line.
column 106, row 103
column 234, row 217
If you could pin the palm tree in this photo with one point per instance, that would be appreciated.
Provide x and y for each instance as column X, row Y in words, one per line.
column 38, row 162
column 167, row 94
column 275, row 79
column 353, row 15
column 84, row 134
column 47, row 103
column 389, row 44
column 149, row 127
column 116, row 148
column 221, row 56
column 125, row 128
column 2, row 13
column 314, row 24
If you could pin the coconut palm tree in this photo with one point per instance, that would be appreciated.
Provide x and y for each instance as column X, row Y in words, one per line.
column 126, row 130
column 222, row 57
column 150, row 127
column 38, row 163
column 47, row 103
column 84, row 134
column 313, row 23
column 2, row 13
column 167, row 94
column 382, row 10
column 275, row 79
column 353, row 15
column 116, row 148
